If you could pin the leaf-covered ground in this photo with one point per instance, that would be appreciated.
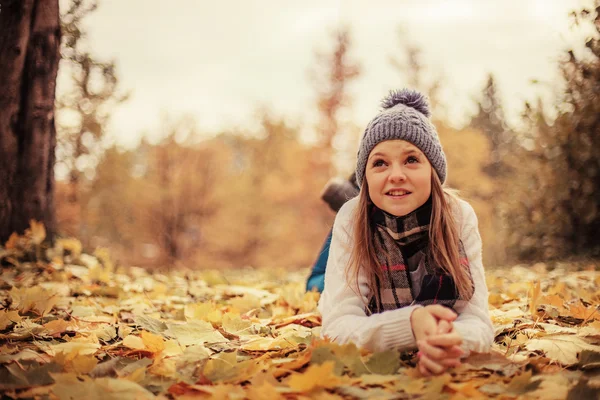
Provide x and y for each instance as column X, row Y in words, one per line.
column 77, row 327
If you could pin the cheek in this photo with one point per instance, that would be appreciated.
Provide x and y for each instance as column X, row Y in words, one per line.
column 374, row 181
column 426, row 184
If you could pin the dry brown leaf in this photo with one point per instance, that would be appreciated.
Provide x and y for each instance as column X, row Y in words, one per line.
column 7, row 318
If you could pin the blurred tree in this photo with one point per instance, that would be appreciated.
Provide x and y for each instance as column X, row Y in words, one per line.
column 277, row 216
column 89, row 93
column 491, row 121
column 414, row 73
column 332, row 76
column 337, row 139
column 558, row 216
column 113, row 201
column 184, row 177
column 29, row 57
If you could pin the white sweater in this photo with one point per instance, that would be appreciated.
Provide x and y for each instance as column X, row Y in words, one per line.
column 343, row 310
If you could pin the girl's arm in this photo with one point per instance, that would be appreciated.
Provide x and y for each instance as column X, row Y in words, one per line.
column 343, row 310
column 473, row 322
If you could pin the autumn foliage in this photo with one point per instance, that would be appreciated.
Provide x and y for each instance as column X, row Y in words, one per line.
column 75, row 325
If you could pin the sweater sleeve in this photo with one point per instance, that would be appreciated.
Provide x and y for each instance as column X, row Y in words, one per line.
column 473, row 321
column 343, row 308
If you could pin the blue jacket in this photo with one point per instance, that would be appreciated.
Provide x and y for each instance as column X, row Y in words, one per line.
column 317, row 275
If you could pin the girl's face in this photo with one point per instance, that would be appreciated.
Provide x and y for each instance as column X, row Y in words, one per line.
column 398, row 176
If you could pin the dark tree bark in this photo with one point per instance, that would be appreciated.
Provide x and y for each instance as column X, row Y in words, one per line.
column 29, row 57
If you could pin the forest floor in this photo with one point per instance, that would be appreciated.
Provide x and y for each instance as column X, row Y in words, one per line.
column 74, row 325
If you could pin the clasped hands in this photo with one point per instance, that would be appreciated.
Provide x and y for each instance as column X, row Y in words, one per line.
column 437, row 341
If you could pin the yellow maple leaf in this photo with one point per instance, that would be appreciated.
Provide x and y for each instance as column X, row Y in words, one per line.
column 35, row 298
column 578, row 310
column 234, row 324
column 204, row 311
column 553, row 300
column 172, row 348
column 264, row 392
column 316, row 376
column 153, row 343
column 76, row 362
column 468, row 389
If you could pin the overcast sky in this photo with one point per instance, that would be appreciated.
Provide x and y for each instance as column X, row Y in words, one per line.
column 220, row 61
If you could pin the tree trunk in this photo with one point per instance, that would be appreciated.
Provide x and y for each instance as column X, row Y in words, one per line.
column 29, row 57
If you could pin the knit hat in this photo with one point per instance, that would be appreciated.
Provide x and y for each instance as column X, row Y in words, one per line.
column 405, row 116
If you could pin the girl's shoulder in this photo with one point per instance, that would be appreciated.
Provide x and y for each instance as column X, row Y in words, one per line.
column 345, row 214
column 463, row 212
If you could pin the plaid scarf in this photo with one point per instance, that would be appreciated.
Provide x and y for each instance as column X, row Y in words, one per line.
column 410, row 276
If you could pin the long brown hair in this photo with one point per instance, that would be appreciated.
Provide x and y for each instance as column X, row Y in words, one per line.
column 443, row 242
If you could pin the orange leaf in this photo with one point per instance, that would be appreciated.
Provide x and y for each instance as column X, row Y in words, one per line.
column 12, row 242
column 316, row 376
column 467, row 389
column 535, row 295
column 553, row 300
column 264, row 392
column 578, row 310
column 57, row 326
column 153, row 343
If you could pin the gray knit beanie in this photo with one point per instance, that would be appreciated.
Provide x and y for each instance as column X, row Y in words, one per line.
column 405, row 116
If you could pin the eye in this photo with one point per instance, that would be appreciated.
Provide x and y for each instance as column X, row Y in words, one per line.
column 378, row 163
column 412, row 160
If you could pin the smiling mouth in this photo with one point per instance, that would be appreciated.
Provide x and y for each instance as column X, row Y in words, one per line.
column 398, row 193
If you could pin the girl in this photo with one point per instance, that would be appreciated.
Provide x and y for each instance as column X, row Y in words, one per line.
column 405, row 266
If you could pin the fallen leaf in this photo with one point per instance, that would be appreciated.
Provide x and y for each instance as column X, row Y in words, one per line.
column 264, row 392
column 195, row 332
column 315, row 376
column 7, row 318
column 154, row 343
column 534, row 298
column 384, row 363
column 134, row 342
column 69, row 386
column 35, row 298
column 561, row 348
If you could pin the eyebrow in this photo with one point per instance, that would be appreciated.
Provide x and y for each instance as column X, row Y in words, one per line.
column 411, row 151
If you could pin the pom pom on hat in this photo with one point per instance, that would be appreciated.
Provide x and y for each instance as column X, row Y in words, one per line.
column 408, row 97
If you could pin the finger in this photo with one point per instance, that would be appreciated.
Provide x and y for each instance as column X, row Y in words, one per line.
column 450, row 362
column 441, row 312
column 455, row 351
column 445, row 340
column 444, row 327
column 431, row 365
column 423, row 370
column 433, row 352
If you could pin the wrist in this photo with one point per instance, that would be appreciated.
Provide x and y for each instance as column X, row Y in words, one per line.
column 415, row 316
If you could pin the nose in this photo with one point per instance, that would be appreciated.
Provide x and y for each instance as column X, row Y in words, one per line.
column 397, row 173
